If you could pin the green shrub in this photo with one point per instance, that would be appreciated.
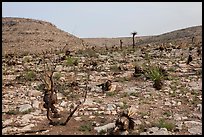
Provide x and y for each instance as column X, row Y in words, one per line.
column 30, row 75
column 156, row 75
column 110, row 93
column 12, row 112
column 164, row 124
column 134, row 94
column 71, row 61
column 86, row 127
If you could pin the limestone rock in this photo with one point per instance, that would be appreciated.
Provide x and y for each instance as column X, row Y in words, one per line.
column 25, row 107
column 105, row 127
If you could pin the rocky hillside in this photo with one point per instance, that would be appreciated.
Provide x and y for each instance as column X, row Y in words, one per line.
column 21, row 35
column 183, row 36
column 162, row 85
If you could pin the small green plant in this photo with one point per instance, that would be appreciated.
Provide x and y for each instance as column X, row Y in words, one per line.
column 147, row 57
column 12, row 112
column 71, row 61
column 134, row 94
column 144, row 114
column 167, row 113
column 96, row 113
column 85, row 128
column 102, row 132
column 27, row 111
column 172, row 69
column 30, row 75
column 40, row 87
column 110, row 94
column 155, row 74
column 125, row 94
column 165, row 124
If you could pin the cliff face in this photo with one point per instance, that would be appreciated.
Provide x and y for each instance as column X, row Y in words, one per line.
column 32, row 36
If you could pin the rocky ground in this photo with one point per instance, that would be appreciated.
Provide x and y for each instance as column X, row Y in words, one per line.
column 173, row 110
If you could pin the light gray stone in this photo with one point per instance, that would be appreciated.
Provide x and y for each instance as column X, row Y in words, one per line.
column 78, row 118
column 7, row 122
column 200, row 107
column 92, row 109
column 156, row 131
column 197, row 130
column 167, row 103
column 9, row 130
column 36, row 104
column 35, row 93
column 27, row 128
column 25, row 107
column 105, row 127
column 130, row 90
column 111, row 107
column 59, row 68
column 88, row 102
column 63, row 104
column 138, row 122
column 120, row 104
column 96, row 89
column 192, row 123
column 177, row 117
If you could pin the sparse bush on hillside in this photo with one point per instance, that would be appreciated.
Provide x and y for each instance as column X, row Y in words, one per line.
column 30, row 75
column 71, row 61
column 156, row 75
column 162, row 123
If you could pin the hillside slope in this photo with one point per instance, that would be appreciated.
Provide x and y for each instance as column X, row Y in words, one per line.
column 177, row 36
column 28, row 35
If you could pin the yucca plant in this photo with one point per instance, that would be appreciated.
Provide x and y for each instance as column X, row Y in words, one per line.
column 156, row 75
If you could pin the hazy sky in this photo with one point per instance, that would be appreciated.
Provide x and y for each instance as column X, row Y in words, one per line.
column 110, row 19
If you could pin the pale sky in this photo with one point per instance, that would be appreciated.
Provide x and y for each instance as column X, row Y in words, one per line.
column 110, row 19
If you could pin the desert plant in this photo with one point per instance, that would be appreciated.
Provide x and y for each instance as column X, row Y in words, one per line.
column 71, row 61
column 155, row 74
column 12, row 112
column 134, row 94
column 133, row 37
column 110, row 94
column 165, row 124
column 121, row 44
column 30, row 75
column 86, row 127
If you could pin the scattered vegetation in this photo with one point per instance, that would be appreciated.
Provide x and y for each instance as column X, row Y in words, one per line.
column 110, row 94
column 162, row 123
column 167, row 113
column 156, row 75
column 71, row 61
column 85, row 128
column 30, row 75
